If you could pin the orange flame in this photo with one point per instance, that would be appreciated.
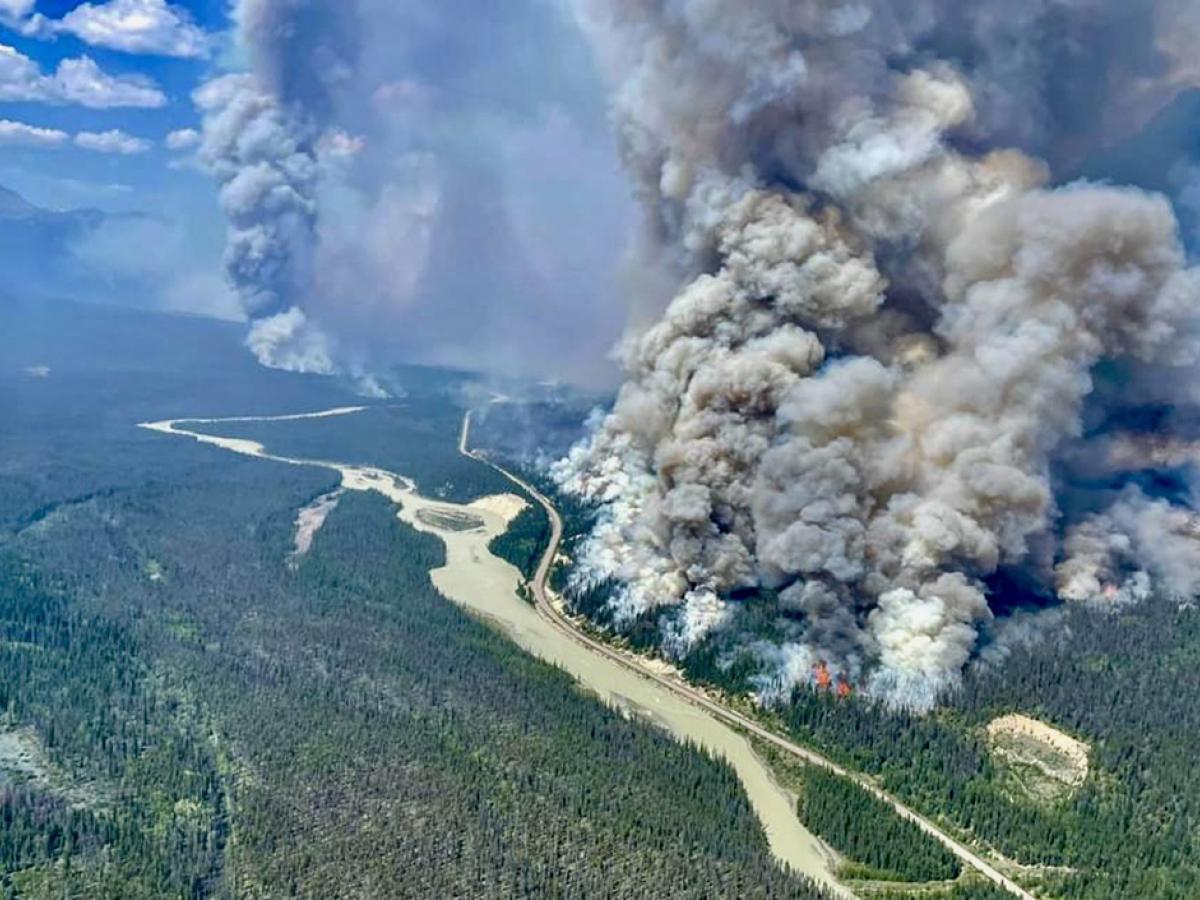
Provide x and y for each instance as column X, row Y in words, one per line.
column 844, row 689
column 822, row 677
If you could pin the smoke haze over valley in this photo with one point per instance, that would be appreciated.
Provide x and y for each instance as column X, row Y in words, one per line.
column 600, row 448
column 874, row 288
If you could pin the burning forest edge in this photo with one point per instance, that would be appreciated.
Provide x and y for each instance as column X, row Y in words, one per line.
column 866, row 398
column 875, row 316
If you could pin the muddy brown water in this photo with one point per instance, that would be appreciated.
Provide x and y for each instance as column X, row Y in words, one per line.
column 478, row 581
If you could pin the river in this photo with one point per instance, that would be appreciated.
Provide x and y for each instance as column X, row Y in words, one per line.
column 478, row 581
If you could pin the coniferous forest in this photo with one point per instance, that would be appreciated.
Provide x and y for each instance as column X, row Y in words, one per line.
column 865, row 830
column 1122, row 681
column 183, row 715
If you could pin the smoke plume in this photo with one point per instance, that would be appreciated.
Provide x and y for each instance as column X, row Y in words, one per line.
column 408, row 181
column 264, row 161
column 888, row 323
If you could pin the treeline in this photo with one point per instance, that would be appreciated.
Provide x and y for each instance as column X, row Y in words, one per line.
column 868, row 831
column 525, row 540
column 1125, row 681
column 354, row 732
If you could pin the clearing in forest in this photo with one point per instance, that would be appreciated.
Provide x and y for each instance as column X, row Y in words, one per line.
column 1047, row 763
column 22, row 756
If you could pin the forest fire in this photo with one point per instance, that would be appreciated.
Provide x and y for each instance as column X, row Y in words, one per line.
column 821, row 676
column 819, row 410
column 824, row 681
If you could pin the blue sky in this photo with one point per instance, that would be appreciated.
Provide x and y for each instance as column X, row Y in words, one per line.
column 56, row 172
column 89, row 93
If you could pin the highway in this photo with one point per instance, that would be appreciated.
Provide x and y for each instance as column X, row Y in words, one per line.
column 714, row 707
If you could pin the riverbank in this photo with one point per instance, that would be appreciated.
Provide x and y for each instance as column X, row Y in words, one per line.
column 475, row 579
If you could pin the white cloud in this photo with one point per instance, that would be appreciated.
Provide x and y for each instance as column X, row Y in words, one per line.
column 112, row 141
column 183, row 139
column 135, row 26
column 15, row 9
column 79, row 81
column 19, row 134
column 19, row 75
column 82, row 81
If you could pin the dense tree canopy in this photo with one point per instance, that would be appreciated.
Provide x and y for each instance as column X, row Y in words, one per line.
column 207, row 721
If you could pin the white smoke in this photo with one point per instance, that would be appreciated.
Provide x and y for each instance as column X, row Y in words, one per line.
column 882, row 341
column 418, row 185
column 1137, row 545
column 264, row 162
column 287, row 340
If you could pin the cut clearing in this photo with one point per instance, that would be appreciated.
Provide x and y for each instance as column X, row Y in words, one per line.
column 1049, row 764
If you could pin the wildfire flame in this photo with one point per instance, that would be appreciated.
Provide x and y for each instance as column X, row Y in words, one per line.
column 823, row 680
column 822, row 677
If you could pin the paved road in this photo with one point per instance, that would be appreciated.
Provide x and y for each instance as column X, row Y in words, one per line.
column 697, row 697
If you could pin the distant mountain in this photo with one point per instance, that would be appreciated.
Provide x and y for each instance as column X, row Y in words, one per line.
column 39, row 337
column 17, row 213
column 13, row 205
column 37, row 246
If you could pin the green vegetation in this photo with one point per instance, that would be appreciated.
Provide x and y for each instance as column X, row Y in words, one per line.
column 495, row 753
column 1124, row 682
column 133, row 777
column 218, row 724
column 1131, row 829
column 416, row 436
column 875, row 843
column 868, row 831
column 525, row 540
column 975, row 890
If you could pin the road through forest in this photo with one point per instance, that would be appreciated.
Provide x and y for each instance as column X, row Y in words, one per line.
column 555, row 616
column 489, row 587
column 477, row 580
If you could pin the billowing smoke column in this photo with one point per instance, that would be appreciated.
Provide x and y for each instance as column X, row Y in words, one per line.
column 888, row 321
column 267, row 135
column 262, row 156
column 403, row 181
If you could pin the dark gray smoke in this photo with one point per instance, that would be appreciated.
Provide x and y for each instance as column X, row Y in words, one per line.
column 425, row 181
column 264, row 159
column 889, row 317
